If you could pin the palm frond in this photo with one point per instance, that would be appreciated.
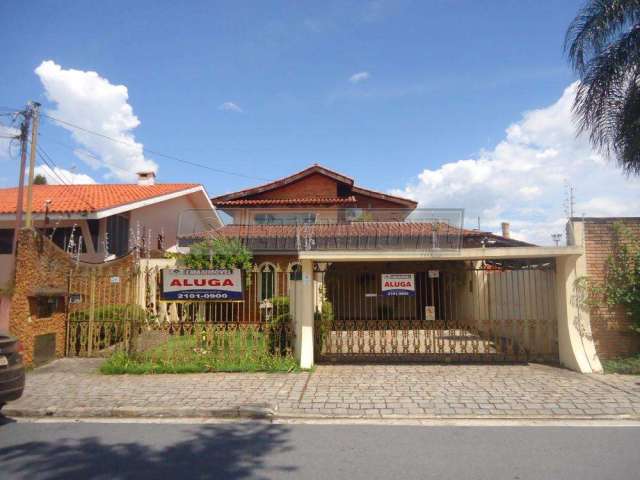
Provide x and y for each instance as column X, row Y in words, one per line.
column 598, row 23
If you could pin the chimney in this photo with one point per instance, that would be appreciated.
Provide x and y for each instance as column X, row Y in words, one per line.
column 146, row 178
column 505, row 230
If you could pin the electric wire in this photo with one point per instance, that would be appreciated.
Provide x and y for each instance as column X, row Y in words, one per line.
column 153, row 152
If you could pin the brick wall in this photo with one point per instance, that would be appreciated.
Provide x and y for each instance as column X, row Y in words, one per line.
column 315, row 185
column 610, row 325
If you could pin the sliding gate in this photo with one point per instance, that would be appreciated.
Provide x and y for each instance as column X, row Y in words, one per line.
column 460, row 312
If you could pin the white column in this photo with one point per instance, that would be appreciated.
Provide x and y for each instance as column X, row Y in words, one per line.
column 304, row 316
column 575, row 341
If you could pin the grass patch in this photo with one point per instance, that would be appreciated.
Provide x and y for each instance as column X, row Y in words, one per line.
column 225, row 352
column 627, row 366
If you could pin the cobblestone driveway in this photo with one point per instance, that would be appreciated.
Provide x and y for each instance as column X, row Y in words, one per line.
column 72, row 387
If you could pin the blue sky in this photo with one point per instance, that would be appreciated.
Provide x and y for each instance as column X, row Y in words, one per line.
column 440, row 82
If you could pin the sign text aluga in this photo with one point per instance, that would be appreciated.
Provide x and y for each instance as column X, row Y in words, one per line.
column 201, row 285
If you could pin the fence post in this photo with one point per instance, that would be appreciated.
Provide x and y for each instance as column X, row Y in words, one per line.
column 92, row 310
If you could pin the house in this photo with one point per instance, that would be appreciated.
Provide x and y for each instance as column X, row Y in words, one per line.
column 99, row 222
column 460, row 293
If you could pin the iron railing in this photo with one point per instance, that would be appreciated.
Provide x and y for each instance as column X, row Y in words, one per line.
column 294, row 230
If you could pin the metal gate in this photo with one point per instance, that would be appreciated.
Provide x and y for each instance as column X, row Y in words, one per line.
column 460, row 312
column 102, row 306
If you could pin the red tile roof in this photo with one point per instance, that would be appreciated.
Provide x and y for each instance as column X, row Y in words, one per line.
column 313, row 169
column 87, row 198
column 288, row 201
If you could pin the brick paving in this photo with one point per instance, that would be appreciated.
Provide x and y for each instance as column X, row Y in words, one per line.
column 73, row 387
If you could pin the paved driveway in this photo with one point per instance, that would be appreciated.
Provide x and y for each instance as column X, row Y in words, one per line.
column 73, row 387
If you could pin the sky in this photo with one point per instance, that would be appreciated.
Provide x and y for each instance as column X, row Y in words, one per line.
column 455, row 103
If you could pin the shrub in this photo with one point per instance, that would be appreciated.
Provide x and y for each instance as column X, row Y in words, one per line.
column 323, row 320
column 111, row 312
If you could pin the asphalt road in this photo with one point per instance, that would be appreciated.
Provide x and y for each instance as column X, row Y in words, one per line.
column 261, row 450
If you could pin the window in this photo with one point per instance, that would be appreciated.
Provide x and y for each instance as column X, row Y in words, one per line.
column 6, row 240
column 295, row 271
column 118, row 235
column 67, row 238
column 267, row 281
column 94, row 231
column 44, row 306
column 289, row 218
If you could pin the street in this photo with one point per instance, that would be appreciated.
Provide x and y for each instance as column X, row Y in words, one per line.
column 120, row 450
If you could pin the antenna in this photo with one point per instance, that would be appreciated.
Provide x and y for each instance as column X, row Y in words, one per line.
column 569, row 199
column 556, row 238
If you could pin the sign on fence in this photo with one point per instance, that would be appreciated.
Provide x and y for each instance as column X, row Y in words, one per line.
column 201, row 285
column 430, row 313
column 398, row 284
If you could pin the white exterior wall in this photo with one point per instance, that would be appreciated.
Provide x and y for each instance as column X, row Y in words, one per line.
column 166, row 217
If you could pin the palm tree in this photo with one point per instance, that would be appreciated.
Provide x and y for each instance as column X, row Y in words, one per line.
column 603, row 45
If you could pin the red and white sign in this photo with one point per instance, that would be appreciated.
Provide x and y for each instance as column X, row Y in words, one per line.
column 398, row 285
column 201, row 285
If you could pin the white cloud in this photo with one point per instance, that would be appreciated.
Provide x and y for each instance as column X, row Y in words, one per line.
column 522, row 180
column 359, row 77
column 230, row 107
column 57, row 176
column 9, row 147
column 86, row 99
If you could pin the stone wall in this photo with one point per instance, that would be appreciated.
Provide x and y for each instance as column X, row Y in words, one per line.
column 609, row 325
column 43, row 270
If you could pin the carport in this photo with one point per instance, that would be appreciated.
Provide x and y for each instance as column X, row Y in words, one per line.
column 470, row 305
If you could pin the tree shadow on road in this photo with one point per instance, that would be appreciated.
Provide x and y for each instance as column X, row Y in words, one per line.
column 229, row 451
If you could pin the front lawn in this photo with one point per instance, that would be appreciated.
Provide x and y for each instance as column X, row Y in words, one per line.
column 627, row 366
column 228, row 352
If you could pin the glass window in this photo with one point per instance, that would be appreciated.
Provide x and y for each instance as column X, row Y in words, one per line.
column 94, row 230
column 67, row 238
column 296, row 272
column 289, row 218
column 118, row 234
column 6, row 240
column 43, row 306
column 267, row 281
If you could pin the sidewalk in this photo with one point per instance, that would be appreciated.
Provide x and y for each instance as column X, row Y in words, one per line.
column 74, row 388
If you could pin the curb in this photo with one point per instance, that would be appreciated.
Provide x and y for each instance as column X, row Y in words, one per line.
column 257, row 412
column 267, row 412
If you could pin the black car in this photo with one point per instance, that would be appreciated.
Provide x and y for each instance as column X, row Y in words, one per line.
column 11, row 369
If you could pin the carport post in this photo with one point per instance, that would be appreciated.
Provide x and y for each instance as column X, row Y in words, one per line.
column 575, row 341
column 304, row 317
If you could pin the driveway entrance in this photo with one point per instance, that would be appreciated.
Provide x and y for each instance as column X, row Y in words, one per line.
column 486, row 311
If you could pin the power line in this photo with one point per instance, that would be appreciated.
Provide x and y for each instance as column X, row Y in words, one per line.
column 52, row 166
column 155, row 152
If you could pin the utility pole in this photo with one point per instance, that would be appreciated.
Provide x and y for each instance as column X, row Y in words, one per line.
column 35, row 117
column 24, row 133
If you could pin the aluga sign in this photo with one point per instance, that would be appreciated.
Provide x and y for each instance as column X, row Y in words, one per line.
column 203, row 285
column 398, row 285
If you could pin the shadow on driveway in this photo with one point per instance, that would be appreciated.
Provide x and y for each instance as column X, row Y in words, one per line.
column 228, row 451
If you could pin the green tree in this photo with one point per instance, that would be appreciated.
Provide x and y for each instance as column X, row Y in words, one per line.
column 603, row 45
column 217, row 253
column 39, row 180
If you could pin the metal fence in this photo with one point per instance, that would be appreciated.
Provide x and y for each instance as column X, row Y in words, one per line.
column 124, row 312
column 460, row 312
column 293, row 230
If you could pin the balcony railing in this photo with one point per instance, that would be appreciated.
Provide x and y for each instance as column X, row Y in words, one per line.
column 294, row 230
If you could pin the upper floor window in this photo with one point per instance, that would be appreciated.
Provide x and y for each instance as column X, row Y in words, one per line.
column 288, row 218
